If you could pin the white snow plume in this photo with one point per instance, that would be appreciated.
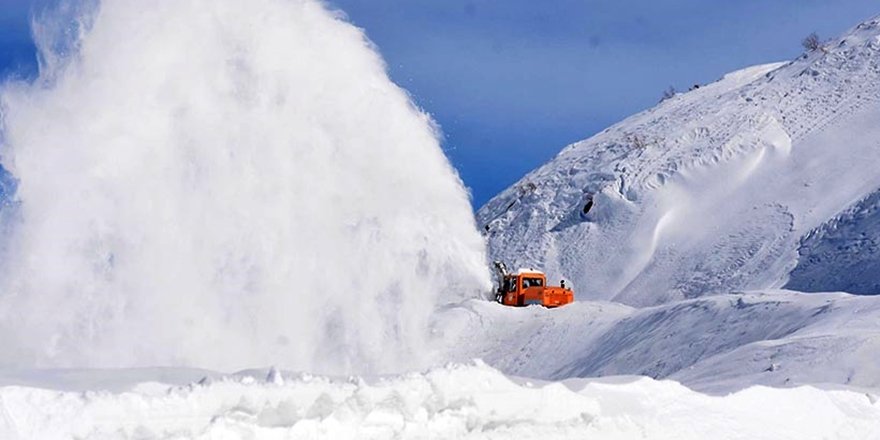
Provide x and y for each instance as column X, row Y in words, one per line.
column 225, row 184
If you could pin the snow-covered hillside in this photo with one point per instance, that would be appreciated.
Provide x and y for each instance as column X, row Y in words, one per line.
column 713, row 190
column 456, row 401
column 679, row 225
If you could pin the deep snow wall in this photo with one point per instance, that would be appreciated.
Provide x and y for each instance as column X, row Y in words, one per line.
column 223, row 184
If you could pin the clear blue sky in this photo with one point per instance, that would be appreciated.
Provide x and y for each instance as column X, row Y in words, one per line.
column 513, row 81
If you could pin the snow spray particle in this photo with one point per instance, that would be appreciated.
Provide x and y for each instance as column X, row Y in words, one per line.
column 224, row 184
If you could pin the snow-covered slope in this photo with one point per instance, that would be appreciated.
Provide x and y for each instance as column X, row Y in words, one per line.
column 712, row 190
column 843, row 254
column 457, row 401
column 719, row 343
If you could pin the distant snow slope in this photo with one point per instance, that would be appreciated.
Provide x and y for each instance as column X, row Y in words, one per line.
column 457, row 401
column 712, row 190
column 843, row 254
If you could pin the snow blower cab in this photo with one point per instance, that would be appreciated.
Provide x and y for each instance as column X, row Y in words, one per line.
column 527, row 287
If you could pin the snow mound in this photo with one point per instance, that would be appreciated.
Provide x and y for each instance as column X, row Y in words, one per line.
column 457, row 401
column 709, row 192
column 224, row 184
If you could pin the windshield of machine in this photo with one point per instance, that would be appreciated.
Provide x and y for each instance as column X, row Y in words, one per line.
column 532, row 282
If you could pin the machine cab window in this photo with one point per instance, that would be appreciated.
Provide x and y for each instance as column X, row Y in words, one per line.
column 532, row 282
column 510, row 284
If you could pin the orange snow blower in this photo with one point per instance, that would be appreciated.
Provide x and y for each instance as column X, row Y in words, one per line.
column 527, row 287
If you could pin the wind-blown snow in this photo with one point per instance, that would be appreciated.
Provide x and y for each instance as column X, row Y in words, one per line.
column 224, row 184
column 457, row 401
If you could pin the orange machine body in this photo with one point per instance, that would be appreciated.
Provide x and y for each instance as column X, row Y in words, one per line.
column 527, row 287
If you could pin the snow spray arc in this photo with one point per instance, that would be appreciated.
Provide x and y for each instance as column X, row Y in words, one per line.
column 225, row 184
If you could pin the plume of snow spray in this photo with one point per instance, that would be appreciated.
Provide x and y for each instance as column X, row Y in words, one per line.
column 224, row 184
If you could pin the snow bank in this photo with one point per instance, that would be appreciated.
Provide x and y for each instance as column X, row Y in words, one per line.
column 223, row 184
column 457, row 401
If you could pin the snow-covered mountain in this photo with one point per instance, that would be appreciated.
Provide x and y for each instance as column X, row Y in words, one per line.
column 717, row 189
column 679, row 226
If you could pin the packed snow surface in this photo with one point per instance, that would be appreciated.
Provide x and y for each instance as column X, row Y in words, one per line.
column 223, row 184
column 457, row 401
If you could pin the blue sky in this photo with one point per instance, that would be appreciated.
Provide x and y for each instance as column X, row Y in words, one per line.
column 513, row 81
column 16, row 47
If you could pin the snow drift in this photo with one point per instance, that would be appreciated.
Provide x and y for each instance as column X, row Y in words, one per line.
column 223, row 184
column 457, row 401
